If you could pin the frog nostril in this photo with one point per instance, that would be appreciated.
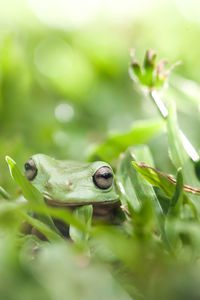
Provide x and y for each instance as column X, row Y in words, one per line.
column 69, row 186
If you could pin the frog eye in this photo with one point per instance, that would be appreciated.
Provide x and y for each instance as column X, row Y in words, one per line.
column 103, row 178
column 30, row 169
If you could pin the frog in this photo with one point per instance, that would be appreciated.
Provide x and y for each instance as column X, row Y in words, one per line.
column 73, row 185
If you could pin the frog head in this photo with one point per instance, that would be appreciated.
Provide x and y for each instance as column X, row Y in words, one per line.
column 71, row 183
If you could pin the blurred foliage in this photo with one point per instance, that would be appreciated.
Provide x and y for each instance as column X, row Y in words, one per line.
column 65, row 91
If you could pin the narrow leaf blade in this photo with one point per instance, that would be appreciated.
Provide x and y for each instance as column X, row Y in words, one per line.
column 30, row 192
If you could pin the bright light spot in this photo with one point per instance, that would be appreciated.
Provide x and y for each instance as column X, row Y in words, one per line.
column 64, row 13
column 121, row 187
column 53, row 57
column 120, row 11
column 60, row 138
column 188, row 147
column 189, row 9
column 64, row 112
column 70, row 14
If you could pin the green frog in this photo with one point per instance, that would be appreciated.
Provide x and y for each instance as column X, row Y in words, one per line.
column 75, row 184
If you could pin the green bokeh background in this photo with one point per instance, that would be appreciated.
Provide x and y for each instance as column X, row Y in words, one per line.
column 64, row 86
column 66, row 52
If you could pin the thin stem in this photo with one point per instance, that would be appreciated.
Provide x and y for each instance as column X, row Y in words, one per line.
column 159, row 103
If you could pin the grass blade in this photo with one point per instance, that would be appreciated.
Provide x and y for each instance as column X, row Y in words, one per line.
column 4, row 194
column 30, row 192
column 144, row 194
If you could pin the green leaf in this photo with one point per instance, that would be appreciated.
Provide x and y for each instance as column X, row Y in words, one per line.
column 4, row 194
column 176, row 200
column 137, row 70
column 62, row 214
column 180, row 158
column 177, row 152
column 149, row 67
column 125, row 183
column 197, row 169
column 156, row 178
column 30, row 192
column 136, row 193
column 51, row 235
column 165, row 182
column 119, row 142
column 178, row 189
column 84, row 214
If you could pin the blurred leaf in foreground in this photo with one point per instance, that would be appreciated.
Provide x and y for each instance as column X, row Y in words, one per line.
column 72, row 276
column 30, row 192
column 4, row 194
column 84, row 214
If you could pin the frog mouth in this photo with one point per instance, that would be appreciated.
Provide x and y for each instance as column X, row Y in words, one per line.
column 101, row 209
column 53, row 202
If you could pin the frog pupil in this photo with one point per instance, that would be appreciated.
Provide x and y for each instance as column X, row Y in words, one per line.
column 27, row 166
column 105, row 175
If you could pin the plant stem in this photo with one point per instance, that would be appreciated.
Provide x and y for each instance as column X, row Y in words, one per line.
column 159, row 103
column 192, row 153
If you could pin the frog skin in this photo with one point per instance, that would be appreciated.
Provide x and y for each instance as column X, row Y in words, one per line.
column 73, row 184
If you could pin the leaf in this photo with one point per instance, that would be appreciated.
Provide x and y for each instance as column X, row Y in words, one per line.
column 84, row 214
column 178, row 189
column 135, row 192
column 179, row 156
column 155, row 177
column 19, row 208
column 119, row 142
column 66, row 274
column 177, row 152
column 162, row 180
column 149, row 67
column 197, row 169
column 126, row 184
column 62, row 214
column 51, row 235
column 4, row 194
column 137, row 70
column 30, row 192
column 176, row 200
column 173, row 131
